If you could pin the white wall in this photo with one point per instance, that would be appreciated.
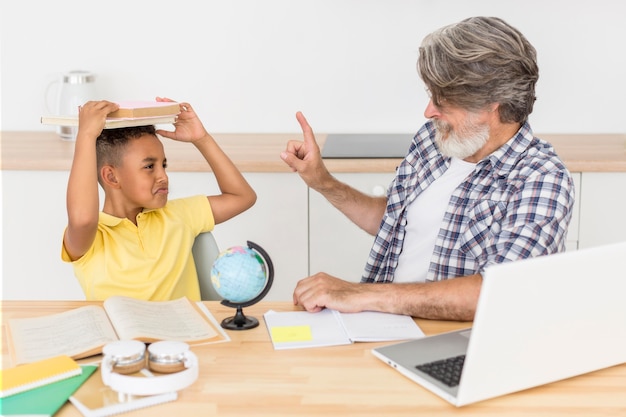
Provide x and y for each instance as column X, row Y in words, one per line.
column 249, row 65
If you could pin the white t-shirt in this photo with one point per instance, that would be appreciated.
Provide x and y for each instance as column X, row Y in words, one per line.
column 424, row 217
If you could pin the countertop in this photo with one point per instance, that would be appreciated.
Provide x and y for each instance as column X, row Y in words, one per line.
column 45, row 151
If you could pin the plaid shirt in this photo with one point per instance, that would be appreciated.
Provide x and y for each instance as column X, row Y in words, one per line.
column 517, row 203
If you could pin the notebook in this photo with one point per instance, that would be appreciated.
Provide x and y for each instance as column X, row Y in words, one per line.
column 537, row 321
column 45, row 400
column 371, row 145
column 36, row 374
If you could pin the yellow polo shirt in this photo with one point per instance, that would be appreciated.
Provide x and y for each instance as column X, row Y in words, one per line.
column 150, row 261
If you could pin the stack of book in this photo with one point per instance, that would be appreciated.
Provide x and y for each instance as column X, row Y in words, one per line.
column 130, row 113
column 41, row 387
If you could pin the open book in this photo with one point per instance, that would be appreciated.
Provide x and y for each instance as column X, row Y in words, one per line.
column 301, row 329
column 83, row 331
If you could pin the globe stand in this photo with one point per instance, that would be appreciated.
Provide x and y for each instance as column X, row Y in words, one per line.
column 239, row 321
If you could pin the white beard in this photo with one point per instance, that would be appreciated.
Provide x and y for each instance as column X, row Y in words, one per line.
column 462, row 142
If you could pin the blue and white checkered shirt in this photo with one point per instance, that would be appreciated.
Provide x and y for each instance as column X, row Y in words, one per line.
column 517, row 203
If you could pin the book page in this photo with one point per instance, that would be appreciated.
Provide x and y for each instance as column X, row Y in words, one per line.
column 370, row 326
column 149, row 321
column 301, row 329
column 77, row 333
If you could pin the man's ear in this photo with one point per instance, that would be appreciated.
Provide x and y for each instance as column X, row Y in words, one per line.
column 109, row 176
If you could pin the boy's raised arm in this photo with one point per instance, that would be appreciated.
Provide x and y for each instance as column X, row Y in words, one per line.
column 82, row 199
column 236, row 194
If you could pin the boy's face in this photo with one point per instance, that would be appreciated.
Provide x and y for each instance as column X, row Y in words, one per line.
column 142, row 176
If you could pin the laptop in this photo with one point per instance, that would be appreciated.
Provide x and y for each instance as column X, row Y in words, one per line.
column 369, row 145
column 537, row 321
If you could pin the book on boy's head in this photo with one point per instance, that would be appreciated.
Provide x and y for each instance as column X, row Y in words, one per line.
column 35, row 374
column 110, row 123
column 83, row 331
column 129, row 114
column 135, row 109
column 47, row 399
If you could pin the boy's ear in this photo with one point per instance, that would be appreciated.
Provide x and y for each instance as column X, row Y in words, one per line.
column 108, row 176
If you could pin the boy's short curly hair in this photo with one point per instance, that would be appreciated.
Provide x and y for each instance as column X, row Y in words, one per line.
column 111, row 143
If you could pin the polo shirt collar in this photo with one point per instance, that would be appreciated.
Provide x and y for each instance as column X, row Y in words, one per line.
column 111, row 221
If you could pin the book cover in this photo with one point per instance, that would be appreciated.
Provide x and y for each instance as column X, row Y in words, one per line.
column 94, row 399
column 135, row 109
column 45, row 400
column 110, row 123
column 35, row 374
column 129, row 114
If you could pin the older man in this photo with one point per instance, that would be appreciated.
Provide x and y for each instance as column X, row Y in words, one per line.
column 475, row 189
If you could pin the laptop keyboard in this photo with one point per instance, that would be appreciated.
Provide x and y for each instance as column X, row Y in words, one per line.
column 447, row 370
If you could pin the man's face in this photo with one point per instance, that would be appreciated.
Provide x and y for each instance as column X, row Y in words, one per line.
column 460, row 133
column 462, row 138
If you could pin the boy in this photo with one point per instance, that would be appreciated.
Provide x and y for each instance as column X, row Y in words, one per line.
column 140, row 244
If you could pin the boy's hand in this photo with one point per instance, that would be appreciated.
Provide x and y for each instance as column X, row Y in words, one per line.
column 188, row 126
column 92, row 116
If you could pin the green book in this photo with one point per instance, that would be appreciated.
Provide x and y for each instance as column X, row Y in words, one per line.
column 45, row 400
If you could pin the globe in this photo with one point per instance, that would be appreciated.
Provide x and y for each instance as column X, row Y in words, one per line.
column 238, row 274
column 242, row 276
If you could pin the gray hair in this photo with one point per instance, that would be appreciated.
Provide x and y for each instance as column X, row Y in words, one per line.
column 480, row 61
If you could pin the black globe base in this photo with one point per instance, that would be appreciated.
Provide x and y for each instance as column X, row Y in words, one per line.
column 239, row 321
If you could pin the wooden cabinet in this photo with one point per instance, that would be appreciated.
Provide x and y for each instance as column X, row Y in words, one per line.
column 602, row 208
column 33, row 220
column 338, row 246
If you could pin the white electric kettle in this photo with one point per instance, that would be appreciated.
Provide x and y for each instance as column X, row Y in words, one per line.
column 73, row 89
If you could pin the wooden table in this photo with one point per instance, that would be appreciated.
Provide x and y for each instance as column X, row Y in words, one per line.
column 247, row 377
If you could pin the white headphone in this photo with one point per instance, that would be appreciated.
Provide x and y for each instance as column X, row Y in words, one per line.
column 173, row 359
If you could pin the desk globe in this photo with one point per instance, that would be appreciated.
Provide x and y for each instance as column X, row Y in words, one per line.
column 242, row 276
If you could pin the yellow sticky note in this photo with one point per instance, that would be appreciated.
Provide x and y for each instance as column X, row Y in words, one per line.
column 291, row 333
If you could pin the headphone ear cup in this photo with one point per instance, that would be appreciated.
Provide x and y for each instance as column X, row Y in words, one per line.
column 127, row 356
column 174, row 360
column 167, row 357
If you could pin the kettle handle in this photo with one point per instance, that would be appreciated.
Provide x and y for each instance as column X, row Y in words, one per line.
column 46, row 96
